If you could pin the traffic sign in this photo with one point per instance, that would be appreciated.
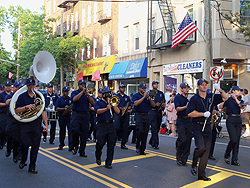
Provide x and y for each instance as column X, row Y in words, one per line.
column 216, row 73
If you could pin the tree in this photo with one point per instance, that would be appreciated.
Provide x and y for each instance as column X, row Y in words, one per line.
column 3, row 18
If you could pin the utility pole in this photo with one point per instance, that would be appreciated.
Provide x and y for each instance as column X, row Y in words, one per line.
column 18, row 47
column 62, row 73
column 208, row 43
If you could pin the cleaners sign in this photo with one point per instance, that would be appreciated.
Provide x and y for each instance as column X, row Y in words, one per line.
column 183, row 68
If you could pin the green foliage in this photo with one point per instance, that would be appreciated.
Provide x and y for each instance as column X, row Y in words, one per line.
column 3, row 18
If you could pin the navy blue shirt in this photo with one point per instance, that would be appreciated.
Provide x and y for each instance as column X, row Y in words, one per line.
column 232, row 107
column 82, row 105
column 159, row 97
column 92, row 113
column 144, row 106
column 202, row 105
column 123, row 100
column 47, row 97
column 2, row 100
column 62, row 102
column 180, row 101
column 6, row 98
column 106, row 116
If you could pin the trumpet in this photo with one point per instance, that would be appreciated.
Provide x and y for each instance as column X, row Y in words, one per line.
column 114, row 101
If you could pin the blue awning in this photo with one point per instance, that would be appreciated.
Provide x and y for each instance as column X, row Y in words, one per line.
column 129, row 69
column 118, row 70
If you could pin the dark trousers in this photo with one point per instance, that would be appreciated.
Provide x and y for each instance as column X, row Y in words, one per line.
column 214, row 134
column 64, row 121
column 3, row 119
column 80, row 128
column 121, row 125
column 130, row 129
column 202, row 143
column 155, row 121
column 234, row 126
column 52, row 131
column 142, row 128
column 31, row 136
column 9, row 133
column 105, row 132
column 184, row 139
column 92, row 127
column 16, row 138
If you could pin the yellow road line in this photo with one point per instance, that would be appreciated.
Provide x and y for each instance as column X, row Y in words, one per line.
column 214, row 179
column 78, row 170
column 55, row 148
column 80, row 166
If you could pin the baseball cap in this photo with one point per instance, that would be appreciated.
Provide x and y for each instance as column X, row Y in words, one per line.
column 8, row 83
column 2, row 87
column 200, row 81
column 184, row 85
column 236, row 88
column 209, row 91
column 142, row 85
column 30, row 81
column 155, row 82
column 81, row 82
column 100, row 90
column 106, row 89
column 121, row 85
column 65, row 88
column 49, row 85
column 17, row 83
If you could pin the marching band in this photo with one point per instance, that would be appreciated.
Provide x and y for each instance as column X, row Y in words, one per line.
column 109, row 115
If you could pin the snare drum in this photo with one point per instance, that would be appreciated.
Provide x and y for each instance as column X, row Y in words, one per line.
column 52, row 115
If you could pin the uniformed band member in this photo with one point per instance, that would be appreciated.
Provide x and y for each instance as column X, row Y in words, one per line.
column 80, row 117
column 155, row 114
column 141, row 101
column 50, row 102
column 122, row 122
column 3, row 111
column 31, row 131
column 198, row 109
column 9, row 127
column 105, row 127
column 234, row 125
column 184, row 125
column 1, row 88
column 62, row 104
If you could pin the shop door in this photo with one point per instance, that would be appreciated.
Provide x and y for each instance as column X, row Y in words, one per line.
column 132, row 88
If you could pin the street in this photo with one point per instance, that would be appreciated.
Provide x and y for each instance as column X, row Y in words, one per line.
column 156, row 169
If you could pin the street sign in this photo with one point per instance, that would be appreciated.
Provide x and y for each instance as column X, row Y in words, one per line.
column 216, row 73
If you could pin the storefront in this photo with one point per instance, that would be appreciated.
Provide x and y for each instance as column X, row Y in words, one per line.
column 130, row 73
column 95, row 72
column 177, row 73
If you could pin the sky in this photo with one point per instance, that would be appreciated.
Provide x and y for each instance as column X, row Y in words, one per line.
column 33, row 5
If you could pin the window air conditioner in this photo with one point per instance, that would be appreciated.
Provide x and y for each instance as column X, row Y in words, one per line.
column 228, row 74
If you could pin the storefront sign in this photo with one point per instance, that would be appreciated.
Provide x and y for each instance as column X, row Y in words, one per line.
column 183, row 68
column 104, row 65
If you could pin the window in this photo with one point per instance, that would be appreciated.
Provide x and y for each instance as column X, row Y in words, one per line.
column 137, row 34
column 88, row 52
column 71, row 21
column 107, row 8
column 54, row 6
column 95, row 12
column 153, row 34
column 67, row 29
column 83, row 55
column 89, row 14
column 191, row 14
column 244, row 11
column 48, row 8
column 83, row 17
column 76, row 19
column 126, row 42
column 95, row 48
column 106, row 44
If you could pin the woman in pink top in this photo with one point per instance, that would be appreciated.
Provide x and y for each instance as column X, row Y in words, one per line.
column 172, row 116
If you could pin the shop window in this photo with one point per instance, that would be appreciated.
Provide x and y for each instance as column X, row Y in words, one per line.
column 171, row 83
column 192, row 79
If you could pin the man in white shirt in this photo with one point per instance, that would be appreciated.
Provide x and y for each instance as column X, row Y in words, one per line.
column 246, row 113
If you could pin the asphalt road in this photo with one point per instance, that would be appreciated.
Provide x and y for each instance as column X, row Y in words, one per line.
column 156, row 169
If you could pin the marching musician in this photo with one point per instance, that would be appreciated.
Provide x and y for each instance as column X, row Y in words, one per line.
column 105, row 127
column 50, row 102
column 62, row 104
column 10, row 126
column 1, row 88
column 141, row 102
column 30, row 131
column 3, row 111
column 122, row 122
column 80, row 117
column 234, row 125
column 155, row 114
column 199, row 108
column 184, row 125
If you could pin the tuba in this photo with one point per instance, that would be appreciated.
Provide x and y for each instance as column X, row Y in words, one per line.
column 44, row 69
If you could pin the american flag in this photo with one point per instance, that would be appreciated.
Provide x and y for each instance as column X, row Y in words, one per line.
column 186, row 28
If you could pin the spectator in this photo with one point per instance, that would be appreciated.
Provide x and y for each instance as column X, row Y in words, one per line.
column 246, row 113
column 172, row 117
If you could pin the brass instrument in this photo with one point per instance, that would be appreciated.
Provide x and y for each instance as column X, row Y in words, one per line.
column 30, row 113
column 114, row 101
column 126, row 109
column 159, row 107
column 213, row 119
column 152, row 94
column 67, row 111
